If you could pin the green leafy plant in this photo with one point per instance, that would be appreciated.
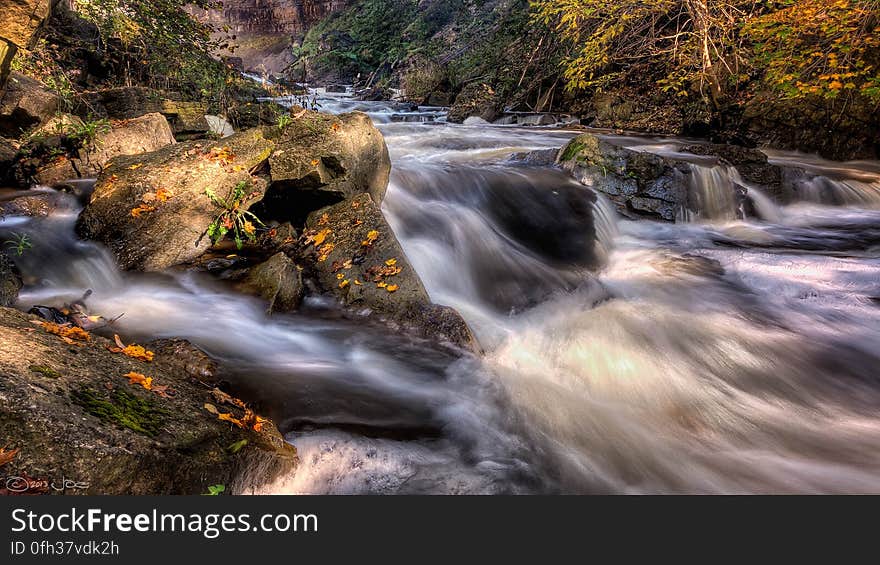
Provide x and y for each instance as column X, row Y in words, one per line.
column 19, row 243
column 233, row 218
column 87, row 133
column 284, row 120
column 215, row 490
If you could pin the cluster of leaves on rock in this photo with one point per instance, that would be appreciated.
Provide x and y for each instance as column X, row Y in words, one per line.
column 233, row 218
column 719, row 49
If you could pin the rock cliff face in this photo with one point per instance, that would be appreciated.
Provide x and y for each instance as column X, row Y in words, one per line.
column 272, row 16
column 266, row 29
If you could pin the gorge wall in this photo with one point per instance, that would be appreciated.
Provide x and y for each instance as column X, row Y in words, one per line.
column 272, row 16
column 265, row 30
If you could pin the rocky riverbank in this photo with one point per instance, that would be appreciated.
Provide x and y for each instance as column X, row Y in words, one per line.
column 287, row 209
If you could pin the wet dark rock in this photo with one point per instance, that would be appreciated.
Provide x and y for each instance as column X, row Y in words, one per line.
column 277, row 280
column 751, row 163
column 360, row 261
column 639, row 183
column 536, row 158
column 441, row 99
column 10, row 280
column 647, row 185
column 336, row 88
column 71, row 412
column 475, row 100
column 374, row 94
column 8, row 153
column 121, row 103
column 184, row 357
column 31, row 205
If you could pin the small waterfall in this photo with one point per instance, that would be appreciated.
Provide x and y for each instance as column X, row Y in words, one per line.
column 719, row 193
column 836, row 192
column 716, row 193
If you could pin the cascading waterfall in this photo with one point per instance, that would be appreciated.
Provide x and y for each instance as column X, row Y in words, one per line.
column 718, row 355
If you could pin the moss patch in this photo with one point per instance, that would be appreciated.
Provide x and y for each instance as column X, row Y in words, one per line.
column 571, row 150
column 122, row 409
column 45, row 370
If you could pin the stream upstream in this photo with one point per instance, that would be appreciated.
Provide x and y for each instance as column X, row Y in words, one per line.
column 726, row 356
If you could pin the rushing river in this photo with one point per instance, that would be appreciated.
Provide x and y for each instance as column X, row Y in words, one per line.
column 620, row 356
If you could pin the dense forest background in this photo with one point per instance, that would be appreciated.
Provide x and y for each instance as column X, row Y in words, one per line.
column 746, row 71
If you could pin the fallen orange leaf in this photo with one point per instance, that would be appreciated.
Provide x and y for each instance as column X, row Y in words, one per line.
column 7, row 456
column 139, row 379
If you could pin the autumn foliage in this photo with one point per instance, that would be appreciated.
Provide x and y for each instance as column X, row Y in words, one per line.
column 720, row 49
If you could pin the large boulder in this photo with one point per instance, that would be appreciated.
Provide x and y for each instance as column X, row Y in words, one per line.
column 144, row 134
column 120, row 103
column 19, row 19
column 187, row 118
column 69, row 410
column 475, row 100
column 152, row 230
column 321, row 159
column 25, row 105
column 647, row 185
column 352, row 253
column 86, row 158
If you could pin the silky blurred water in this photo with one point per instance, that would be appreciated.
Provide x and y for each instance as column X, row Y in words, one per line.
column 714, row 355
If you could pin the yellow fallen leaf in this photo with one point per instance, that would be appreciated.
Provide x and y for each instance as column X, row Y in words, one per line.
column 392, row 288
column 372, row 236
column 391, row 262
column 139, row 379
column 321, row 236
column 344, row 283
column 67, row 333
column 358, row 283
column 340, row 276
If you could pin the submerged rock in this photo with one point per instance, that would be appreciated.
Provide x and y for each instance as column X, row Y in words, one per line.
column 353, row 254
column 71, row 411
column 153, row 210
